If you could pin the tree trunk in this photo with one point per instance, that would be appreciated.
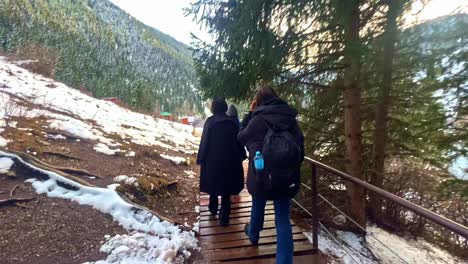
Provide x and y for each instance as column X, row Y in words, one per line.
column 383, row 104
column 352, row 111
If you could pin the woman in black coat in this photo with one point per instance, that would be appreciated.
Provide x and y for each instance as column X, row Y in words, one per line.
column 220, row 158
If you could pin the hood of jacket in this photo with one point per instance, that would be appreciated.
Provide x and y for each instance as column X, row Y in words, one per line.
column 220, row 117
column 232, row 111
column 277, row 113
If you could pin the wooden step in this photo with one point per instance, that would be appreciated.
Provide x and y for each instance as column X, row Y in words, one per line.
column 234, row 199
column 249, row 252
column 305, row 259
column 234, row 221
column 230, row 229
column 233, row 215
column 233, row 206
column 236, row 210
column 241, row 235
column 246, row 242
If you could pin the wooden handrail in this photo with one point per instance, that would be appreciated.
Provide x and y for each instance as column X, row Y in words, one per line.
column 421, row 211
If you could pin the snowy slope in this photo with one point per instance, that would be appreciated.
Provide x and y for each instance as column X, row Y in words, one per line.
column 113, row 129
column 380, row 247
column 84, row 116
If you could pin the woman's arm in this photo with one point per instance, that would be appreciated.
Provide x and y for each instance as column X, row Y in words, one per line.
column 248, row 128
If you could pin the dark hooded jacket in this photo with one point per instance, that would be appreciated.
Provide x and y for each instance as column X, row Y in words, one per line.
column 232, row 112
column 220, row 157
column 253, row 130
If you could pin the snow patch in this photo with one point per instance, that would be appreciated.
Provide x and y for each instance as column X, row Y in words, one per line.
column 191, row 174
column 3, row 142
column 103, row 148
column 143, row 248
column 5, row 165
column 386, row 247
column 412, row 251
column 130, row 154
column 127, row 180
column 56, row 137
column 176, row 160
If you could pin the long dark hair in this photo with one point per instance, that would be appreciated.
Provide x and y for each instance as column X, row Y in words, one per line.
column 218, row 106
column 264, row 94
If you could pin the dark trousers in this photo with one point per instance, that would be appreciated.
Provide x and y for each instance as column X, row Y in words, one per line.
column 225, row 207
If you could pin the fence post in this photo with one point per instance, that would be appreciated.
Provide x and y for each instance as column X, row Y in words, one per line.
column 315, row 216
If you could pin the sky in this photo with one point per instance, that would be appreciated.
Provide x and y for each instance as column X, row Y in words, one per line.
column 165, row 15
column 168, row 15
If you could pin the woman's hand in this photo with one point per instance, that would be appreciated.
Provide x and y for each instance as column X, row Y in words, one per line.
column 253, row 105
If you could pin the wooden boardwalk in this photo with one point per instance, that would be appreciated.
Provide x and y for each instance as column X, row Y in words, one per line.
column 230, row 244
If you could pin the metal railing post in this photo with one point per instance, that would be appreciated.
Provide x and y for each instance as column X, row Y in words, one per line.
column 315, row 216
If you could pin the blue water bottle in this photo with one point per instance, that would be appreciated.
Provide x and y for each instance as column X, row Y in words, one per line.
column 258, row 161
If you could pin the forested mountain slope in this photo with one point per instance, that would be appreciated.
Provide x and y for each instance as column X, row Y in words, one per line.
column 93, row 44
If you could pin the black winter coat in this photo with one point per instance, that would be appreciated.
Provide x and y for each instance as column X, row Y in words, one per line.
column 253, row 131
column 220, row 157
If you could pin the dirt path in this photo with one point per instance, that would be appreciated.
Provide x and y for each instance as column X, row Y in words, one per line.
column 50, row 230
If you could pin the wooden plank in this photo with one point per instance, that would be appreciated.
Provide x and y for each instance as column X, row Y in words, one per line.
column 234, row 221
column 242, row 193
column 240, row 235
column 237, row 210
column 233, row 215
column 246, row 242
column 304, row 259
column 249, row 252
column 234, row 199
column 230, row 229
column 233, row 206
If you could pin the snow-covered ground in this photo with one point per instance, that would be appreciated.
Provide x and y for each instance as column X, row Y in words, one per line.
column 150, row 241
column 380, row 246
column 84, row 116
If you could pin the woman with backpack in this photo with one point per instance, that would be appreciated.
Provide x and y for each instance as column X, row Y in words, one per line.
column 270, row 129
column 220, row 157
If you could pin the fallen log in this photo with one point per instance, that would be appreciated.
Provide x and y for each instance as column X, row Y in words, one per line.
column 64, row 133
column 75, row 171
column 60, row 154
column 14, row 200
column 29, row 159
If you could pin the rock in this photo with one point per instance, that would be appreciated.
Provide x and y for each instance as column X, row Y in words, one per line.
column 339, row 220
column 11, row 174
column 43, row 142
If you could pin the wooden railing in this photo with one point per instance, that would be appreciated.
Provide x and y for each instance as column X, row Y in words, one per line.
column 423, row 212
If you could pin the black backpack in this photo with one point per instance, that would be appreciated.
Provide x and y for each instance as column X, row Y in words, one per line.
column 282, row 156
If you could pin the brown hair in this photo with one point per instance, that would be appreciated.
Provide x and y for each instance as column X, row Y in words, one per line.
column 265, row 93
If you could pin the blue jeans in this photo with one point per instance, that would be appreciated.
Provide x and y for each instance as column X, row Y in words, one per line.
column 284, row 237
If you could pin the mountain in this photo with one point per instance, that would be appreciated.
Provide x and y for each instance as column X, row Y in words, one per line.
column 92, row 44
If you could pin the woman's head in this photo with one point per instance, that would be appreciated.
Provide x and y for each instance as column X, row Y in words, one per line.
column 264, row 94
column 232, row 111
column 218, row 106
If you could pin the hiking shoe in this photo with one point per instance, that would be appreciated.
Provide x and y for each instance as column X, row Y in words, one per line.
column 223, row 223
column 213, row 209
column 213, row 212
column 246, row 231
